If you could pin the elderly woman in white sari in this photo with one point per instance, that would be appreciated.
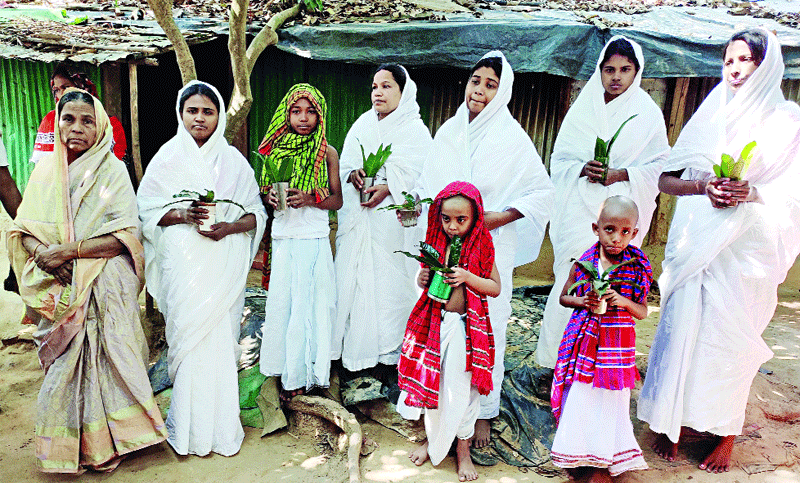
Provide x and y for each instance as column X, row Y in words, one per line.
column 484, row 145
column 732, row 241
column 375, row 286
column 611, row 96
column 196, row 273
column 75, row 249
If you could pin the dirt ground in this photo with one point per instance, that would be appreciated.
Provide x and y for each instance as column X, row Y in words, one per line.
column 767, row 452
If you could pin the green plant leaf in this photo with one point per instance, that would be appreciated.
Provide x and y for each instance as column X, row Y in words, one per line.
column 375, row 161
column 610, row 269
column 455, row 251
column 717, row 171
column 600, row 149
column 747, row 155
column 726, row 165
column 589, row 267
column 576, row 285
column 614, row 138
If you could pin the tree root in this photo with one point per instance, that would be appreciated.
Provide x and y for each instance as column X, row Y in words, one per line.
column 338, row 415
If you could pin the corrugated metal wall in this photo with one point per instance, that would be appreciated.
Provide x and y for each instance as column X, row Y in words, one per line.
column 26, row 98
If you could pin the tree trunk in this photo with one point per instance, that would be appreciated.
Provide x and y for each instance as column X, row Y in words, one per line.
column 243, row 61
column 162, row 9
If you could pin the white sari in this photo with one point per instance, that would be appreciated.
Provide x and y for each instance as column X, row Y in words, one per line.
column 495, row 154
column 722, row 267
column 199, row 284
column 640, row 149
column 376, row 289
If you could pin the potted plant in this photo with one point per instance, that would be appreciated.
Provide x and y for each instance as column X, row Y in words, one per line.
column 439, row 290
column 600, row 282
column 408, row 209
column 208, row 197
column 372, row 164
column 602, row 149
column 735, row 171
column 279, row 173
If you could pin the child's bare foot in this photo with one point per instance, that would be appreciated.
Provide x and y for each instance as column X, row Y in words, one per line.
column 286, row 396
column 599, row 475
column 420, row 455
column 665, row 448
column 466, row 470
column 483, row 433
column 719, row 461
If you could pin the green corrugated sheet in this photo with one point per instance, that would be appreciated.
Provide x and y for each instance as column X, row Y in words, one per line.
column 26, row 98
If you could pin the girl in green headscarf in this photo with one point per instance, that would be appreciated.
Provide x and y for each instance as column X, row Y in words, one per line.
column 301, row 304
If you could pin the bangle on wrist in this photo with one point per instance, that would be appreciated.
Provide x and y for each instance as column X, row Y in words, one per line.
column 79, row 248
column 698, row 187
column 37, row 247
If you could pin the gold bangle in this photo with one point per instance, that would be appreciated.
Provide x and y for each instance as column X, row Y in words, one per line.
column 37, row 247
column 79, row 248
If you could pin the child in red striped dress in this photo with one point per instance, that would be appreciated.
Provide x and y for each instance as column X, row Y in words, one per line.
column 596, row 366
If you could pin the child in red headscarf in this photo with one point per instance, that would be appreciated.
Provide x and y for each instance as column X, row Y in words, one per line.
column 448, row 349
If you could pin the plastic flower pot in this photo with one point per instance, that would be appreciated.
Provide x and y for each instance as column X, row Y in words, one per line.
column 205, row 225
column 438, row 289
column 601, row 308
column 408, row 217
column 280, row 189
column 369, row 182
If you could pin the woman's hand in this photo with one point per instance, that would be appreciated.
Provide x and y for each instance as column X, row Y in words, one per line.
column 357, row 178
column 218, row 231
column 593, row 170
column 63, row 274
column 740, row 191
column 196, row 212
column 424, row 277
column 458, row 276
column 52, row 257
column 379, row 193
column 298, row 199
column 724, row 195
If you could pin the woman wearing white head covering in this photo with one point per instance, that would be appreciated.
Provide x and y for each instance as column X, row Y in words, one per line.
column 198, row 277
column 612, row 95
column 375, row 285
column 729, row 248
column 484, row 145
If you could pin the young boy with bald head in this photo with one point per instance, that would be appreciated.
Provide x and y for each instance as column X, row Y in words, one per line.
column 596, row 364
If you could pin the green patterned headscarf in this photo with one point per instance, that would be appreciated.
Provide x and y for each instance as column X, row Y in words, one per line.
column 307, row 152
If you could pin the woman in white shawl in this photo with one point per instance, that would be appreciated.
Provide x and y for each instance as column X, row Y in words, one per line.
column 375, row 286
column 198, row 277
column 729, row 247
column 612, row 95
column 484, row 145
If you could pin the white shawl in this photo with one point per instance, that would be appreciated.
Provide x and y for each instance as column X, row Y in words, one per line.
column 640, row 149
column 375, row 286
column 495, row 154
column 732, row 259
column 214, row 273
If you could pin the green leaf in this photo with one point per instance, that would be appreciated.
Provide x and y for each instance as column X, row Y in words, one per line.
column 747, row 155
column 375, row 161
column 590, row 268
column 610, row 269
column 614, row 138
column 312, row 5
column 455, row 251
column 80, row 21
column 600, row 149
column 726, row 165
column 717, row 171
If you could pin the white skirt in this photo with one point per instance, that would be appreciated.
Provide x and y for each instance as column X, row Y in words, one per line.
column 596, row 430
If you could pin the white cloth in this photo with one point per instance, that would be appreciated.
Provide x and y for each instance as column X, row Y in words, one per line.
column 458, row 399
column 301, row 306
column 722, row 266
column 376, row 289
column 596, row 430
column 306, row 223
column 495, row 154
column 641, row 149
column 198, row 283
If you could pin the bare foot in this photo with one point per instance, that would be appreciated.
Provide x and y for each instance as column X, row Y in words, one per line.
column 420, row 455
column 719, row 461
column 665, row 448
column 483, row 433
column 466, row 470
column 599, row 475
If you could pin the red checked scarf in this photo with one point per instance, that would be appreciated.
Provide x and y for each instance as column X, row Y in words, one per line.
column 420, row 363
column 614, row 333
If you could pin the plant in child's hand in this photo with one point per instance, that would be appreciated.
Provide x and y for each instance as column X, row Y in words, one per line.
column 602, row 149
column 429, row 256
column 278, row 171
column 735, row 170
column 600, row 282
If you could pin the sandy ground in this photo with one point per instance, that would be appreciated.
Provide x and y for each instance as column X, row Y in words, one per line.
column 767, row 452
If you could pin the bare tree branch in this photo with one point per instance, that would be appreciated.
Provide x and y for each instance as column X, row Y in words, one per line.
column 162, row 9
